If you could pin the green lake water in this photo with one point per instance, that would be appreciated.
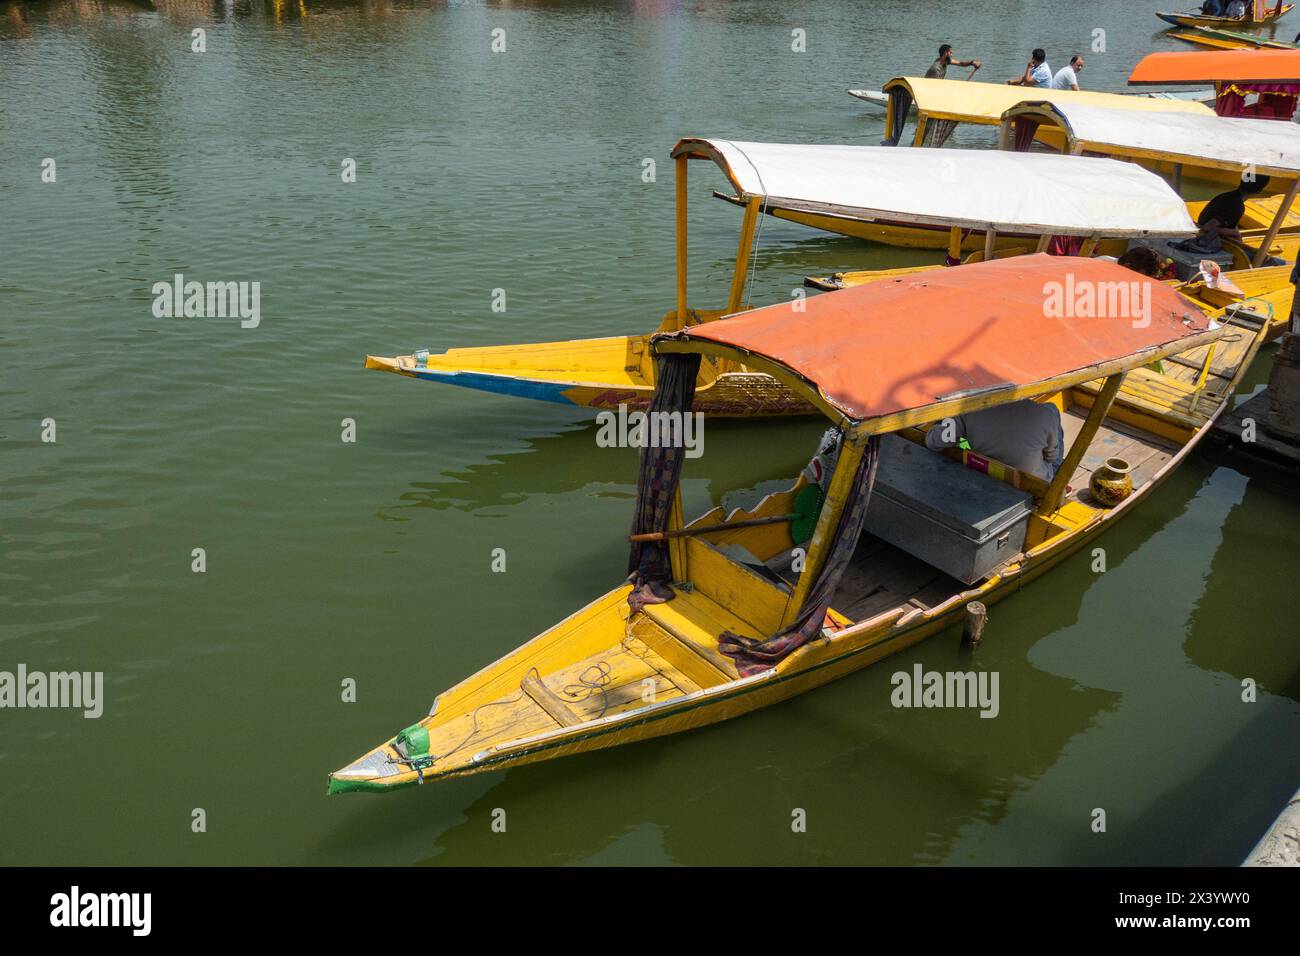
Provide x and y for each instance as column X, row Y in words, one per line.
column 327, row 560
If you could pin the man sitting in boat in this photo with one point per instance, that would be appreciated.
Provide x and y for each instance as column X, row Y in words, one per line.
column 1067, row 78
column 1228, row 9
column 1037, row 73
column 1027, row 435
column 1221, row 216
column 939, row 68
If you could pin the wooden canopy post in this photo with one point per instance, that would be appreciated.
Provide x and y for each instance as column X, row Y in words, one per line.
column 1044, row 241
column 1282, row 210
column 677, row 546
column 1089, row 245
column 681, row 241
column 954, row 243
column 1176, row 178
column 828, row 522
column 1004, row 134
column 990, row 242
column 743, row 251
column 919, row 139
column 1100, row 406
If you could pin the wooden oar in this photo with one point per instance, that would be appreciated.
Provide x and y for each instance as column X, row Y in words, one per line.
column 705, row 529
column 808, row 501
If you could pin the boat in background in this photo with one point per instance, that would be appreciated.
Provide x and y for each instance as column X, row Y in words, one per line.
column 922, row 192
column 1271, row 75
column 942, row 105
column 735, row 627
column 1230, row 39
column 1257, row 12
column 923, row 198
column 1255, row 268
column 881, row 98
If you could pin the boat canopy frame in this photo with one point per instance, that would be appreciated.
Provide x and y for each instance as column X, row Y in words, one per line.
column 982, row 104
column 1034, row 195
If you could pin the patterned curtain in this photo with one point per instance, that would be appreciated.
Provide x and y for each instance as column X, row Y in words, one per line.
column 1065, row 246
column 648, row 566
column 938, row 131
column 1025, row 130
column 900, row 101
column 754, row 657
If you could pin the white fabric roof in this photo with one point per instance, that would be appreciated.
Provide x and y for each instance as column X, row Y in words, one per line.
column 1013, row 192
column 1266, row 144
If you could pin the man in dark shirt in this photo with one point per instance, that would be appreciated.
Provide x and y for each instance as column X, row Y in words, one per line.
column 939, row 68
column 1221, row 216
column 1223, row 213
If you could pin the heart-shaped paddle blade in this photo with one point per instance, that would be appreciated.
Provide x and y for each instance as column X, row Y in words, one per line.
column 807, row 507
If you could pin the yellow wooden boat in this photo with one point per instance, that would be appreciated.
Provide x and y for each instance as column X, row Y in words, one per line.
column 715, row 621
column 1258, row 12
column 942, row 105
column 1217, row 39
column 1020, row 195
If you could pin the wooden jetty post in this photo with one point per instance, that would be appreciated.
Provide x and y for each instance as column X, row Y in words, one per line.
column 972, row 630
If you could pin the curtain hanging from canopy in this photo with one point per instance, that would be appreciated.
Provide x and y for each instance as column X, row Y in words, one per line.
column 938, row 131
column 1025, row 128
column 648, row 566
column 900, row 101
column 753, row 656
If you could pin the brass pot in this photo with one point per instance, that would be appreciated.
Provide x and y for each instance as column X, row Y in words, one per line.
column 1112, row 482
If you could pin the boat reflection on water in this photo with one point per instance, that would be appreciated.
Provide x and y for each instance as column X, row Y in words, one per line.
column 571, row 461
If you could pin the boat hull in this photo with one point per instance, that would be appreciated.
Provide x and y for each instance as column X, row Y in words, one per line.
column 1229, row 40
column 813, row 666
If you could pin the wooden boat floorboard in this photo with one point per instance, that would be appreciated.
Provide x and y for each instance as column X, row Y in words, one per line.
column 695, row 620
column 1144, row 452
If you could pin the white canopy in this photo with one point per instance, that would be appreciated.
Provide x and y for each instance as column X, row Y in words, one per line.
column 1035, row 193
column 1270, row 146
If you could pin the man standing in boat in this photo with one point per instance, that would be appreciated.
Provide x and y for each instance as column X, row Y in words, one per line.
column 1037, row 73
column 939, row 68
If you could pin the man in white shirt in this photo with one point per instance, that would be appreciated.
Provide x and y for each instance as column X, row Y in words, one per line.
column 1068, row 76
column 1037, row 73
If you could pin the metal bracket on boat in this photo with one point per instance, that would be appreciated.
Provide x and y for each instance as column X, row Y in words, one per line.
column 421, row 357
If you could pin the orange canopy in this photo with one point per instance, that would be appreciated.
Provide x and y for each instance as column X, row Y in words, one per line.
column 1217, row 66
column 945, row 335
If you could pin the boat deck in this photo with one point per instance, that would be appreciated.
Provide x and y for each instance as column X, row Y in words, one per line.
column 1146, row 453
column 882, row 576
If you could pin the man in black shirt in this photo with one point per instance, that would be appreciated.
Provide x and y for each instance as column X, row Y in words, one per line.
column 1221, row 216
